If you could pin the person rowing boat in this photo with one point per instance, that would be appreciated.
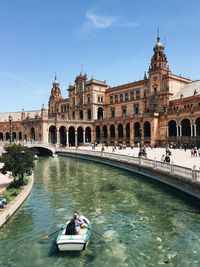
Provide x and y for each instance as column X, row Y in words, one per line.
column 75, row 225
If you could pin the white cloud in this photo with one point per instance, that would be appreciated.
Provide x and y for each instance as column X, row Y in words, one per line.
column 96, row 21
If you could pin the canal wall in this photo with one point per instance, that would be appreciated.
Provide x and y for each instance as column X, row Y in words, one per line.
column 184, row 180
column 14, row 205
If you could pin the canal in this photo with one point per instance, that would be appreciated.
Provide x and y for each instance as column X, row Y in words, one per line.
column 147, row 225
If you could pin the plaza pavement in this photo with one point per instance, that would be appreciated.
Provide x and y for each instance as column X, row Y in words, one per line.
column 179, row 156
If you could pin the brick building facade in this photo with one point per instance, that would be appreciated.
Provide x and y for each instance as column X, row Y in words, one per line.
column 160, row 109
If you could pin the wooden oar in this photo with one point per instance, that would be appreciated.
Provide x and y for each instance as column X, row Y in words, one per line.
column 47, row 236
column 98, row 233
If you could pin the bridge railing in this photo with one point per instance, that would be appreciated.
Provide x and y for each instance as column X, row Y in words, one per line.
column 184, row 173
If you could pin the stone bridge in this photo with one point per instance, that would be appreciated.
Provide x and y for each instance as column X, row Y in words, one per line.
column 42, row 149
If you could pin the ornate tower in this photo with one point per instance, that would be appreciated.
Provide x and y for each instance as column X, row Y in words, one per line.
column 159, row 59
column 55, row 98
column 158, row 79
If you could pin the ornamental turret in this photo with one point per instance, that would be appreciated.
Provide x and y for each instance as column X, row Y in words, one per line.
column 55, row 98
column 159, row 59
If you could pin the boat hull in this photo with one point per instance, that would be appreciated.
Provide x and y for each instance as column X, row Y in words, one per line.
column 70, row 246
column 74, row 242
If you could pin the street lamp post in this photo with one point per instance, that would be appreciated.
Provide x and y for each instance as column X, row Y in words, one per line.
column 10, row 131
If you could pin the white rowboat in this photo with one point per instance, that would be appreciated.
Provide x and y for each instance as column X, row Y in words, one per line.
column 77, row 242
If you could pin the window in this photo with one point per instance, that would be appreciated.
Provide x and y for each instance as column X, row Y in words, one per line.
column 137, row 94
column 121, row 98
column 81, row 114
column 88, row 99
column 136, row 108
column 132, row 95
column 116, row 98
column 89, row 114
column 126, row 97
column 123, row 111
column 111, row 99
column 112, row 110
column 100, row 99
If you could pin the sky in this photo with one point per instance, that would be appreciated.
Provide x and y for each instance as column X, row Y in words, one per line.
column 112, row 38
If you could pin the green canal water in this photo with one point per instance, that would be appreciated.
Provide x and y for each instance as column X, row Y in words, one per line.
column 147, row 225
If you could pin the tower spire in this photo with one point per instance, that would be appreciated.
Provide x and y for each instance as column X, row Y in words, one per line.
column 158, row 36
column 55, row 79
column 159, row 59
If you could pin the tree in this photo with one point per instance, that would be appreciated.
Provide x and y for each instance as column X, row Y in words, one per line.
column 19, row 160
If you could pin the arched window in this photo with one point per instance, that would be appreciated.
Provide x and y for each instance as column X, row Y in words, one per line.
column 111, row 99
column 100, row 113
column 126, row 97
column 137, row 94
column 116, row 98
column 132, row 95
column 121, row 97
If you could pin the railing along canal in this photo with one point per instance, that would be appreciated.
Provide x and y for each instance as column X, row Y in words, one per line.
column 187, row 174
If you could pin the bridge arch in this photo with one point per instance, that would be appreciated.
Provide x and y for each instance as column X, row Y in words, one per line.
column 41, row 150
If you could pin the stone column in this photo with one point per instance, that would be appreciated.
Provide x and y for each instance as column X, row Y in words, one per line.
column 177, row 133
column 167, row 131
column 76, row 141
column 195, row 130
column 180, row 130
column 124, row 134
column 58, row 137
column 108, row 135
column 131, row 134
column 83, row 137
column 191, row 126
column 67, row 138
